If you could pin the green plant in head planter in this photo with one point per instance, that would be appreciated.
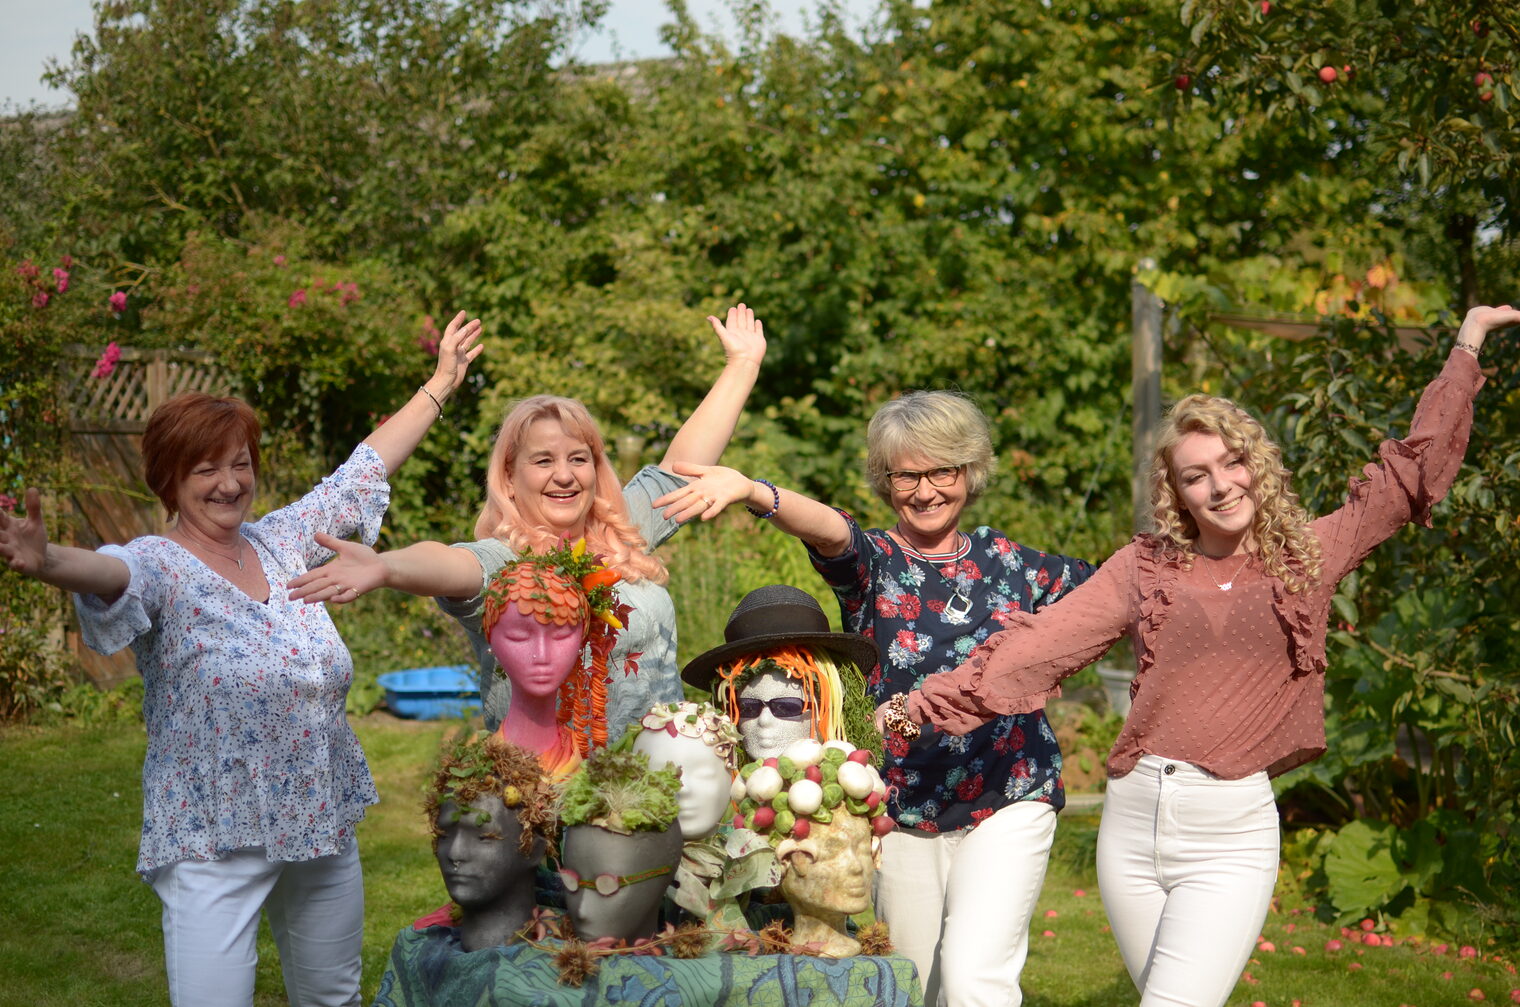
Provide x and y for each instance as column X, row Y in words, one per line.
column 823, row 808
column 491, row 809
column 621, row 843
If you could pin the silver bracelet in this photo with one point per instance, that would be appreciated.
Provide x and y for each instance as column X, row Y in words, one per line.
column 424, row 391
column 1470, row 348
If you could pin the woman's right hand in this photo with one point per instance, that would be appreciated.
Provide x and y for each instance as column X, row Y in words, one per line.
column 23, row 541
column 355, row 571
column 1482, row 320
column 711, row 491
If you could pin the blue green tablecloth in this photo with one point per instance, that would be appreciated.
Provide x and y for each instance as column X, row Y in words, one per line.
column 428, row 967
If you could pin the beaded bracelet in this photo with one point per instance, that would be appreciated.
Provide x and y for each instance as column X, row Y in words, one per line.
column 1470, row 348
column 775, row 501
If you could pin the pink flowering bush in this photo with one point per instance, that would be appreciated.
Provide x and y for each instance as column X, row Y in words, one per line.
column 107, row 362
column 118, row 301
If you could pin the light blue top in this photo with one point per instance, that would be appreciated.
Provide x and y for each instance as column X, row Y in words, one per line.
column 647, row 643
column 248, row 745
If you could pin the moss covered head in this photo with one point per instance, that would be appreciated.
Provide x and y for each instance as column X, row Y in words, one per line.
column 479, row 764
column 618, row 791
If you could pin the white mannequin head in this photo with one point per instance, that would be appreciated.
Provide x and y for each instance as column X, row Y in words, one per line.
column 765, row 734
column 701, row 744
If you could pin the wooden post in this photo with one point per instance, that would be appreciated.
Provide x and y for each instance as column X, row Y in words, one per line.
column 1145, row 377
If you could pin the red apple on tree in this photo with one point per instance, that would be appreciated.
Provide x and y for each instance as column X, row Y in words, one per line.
column 1328, row 74
column 1183, row 80
column 1266, row 7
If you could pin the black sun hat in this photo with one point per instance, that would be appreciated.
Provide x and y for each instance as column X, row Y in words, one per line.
column 778, row 615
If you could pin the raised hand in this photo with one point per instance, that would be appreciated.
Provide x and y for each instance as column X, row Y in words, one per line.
column 712, row 489
column 23, row 541
column 742, row 335
column 456, row 351
column 354, row 572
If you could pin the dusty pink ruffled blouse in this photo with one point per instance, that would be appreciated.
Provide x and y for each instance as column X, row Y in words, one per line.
column 1230, row 681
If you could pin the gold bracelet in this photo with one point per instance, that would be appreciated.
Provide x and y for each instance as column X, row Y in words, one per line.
column 897, row 720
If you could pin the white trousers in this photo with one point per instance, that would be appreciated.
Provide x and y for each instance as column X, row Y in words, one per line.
column 959, row 903
column 211, row 924
column 1186, row 865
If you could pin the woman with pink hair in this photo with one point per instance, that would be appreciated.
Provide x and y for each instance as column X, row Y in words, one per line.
column 548, row 481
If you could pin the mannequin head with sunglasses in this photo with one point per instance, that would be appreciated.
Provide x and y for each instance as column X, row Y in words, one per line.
column 491, row 812
column 773, row 713
column 703, row 746
column 621, row 844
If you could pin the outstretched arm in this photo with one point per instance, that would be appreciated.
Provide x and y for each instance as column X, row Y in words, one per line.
column 430, row 569
column 713, row 489
column 396, row 438
column 24, row 548
column 705, row 434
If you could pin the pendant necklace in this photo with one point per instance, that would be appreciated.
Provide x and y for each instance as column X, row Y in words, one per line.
column 1231, row 582
column 238, row 559
column 958, row 609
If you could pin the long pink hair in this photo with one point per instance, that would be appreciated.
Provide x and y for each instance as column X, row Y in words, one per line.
column 610, row 533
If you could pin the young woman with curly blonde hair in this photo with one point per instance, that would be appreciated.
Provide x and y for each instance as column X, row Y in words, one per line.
column 1227, row 603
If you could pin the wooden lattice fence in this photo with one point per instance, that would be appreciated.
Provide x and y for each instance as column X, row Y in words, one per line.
column 106, row 419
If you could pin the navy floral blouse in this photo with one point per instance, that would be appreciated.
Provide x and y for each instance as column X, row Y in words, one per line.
column 926, row 613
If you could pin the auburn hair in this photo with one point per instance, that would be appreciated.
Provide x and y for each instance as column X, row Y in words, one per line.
column 191, row 428
column 610, row 533
column 1280, row 528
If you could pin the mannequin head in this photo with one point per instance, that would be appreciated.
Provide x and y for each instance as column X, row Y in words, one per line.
column 492, row 816
column 619, row 815
column 536, row 657
column 767, row 726
column 539, row 614
column 702, row 745
column 826, row 836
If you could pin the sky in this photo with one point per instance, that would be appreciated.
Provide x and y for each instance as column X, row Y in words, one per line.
column 36, row 30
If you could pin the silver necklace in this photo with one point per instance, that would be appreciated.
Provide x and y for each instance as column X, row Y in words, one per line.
column 238, row 559
column 1231, row 582
column 958, row 609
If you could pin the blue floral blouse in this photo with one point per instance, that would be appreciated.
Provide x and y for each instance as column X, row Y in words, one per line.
column 926, row 614
column 248, row 745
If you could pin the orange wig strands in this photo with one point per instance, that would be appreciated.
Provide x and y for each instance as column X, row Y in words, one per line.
column 820, row 688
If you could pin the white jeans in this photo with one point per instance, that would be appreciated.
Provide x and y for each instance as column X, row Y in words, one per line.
column 1186, row 865
column 959, row 903
column 211, row 923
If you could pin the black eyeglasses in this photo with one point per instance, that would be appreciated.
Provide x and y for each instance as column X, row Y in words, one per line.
column 782, row 708
column 906, row 479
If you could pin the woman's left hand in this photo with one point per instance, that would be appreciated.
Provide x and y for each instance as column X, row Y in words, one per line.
column 456, row 351
column 711, row 491
column 742, row 336
column 879, row 718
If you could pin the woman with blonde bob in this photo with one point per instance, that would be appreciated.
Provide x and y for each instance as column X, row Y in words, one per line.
column 1227, row 603
column 960, row 876
column 549, row 481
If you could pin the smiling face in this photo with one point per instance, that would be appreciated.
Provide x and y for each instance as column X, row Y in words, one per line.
column 928, row 515
column 480, row 860
column 215, row 496
column 554, row 478
column 1214, row 484
column 536, row 658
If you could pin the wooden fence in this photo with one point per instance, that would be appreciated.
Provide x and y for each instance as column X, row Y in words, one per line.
column 106, row 419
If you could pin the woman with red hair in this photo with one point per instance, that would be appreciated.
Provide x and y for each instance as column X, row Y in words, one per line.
column 253, row 780
column 549, row 481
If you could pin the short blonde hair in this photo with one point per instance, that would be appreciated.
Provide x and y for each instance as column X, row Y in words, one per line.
column 942, row 426
column 1287, row 546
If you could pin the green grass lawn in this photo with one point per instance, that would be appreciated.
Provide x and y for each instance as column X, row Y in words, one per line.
column 82, row 930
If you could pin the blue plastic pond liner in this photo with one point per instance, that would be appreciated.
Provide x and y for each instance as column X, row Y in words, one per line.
column 432, row 693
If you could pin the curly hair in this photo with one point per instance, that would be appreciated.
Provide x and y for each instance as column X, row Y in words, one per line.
column 609, row 529
column 1280, row 527
column 480, row 764
column 943, row 426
